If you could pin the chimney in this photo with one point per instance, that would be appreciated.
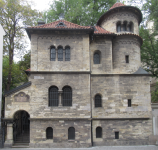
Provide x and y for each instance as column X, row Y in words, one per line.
column 41, row 23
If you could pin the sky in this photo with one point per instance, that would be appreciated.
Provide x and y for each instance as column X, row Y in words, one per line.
column 41, row 5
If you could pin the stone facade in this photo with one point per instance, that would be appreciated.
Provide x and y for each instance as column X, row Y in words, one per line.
column 123, row 87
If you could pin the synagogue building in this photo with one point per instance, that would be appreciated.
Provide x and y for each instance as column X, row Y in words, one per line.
column 86, row 85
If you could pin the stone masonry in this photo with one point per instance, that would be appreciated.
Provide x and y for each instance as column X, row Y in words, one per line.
column 105, row 62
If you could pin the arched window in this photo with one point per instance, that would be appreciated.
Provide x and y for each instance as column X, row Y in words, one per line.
column 119, row 27
column 130, row 26
column 52, row 54
column 98, row 101
column 96, row 58
column 60, row 53
column 67, row 96
column 125, row 26
column 49, row 133
column 98, row 132
column 71, row 133
column 67, row 53
column 53, row 96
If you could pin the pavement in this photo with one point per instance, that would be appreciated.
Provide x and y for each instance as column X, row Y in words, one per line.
column 147, row 147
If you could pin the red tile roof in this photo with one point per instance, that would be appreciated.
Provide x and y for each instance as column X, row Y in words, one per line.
column 100, row 30
column 117, row 5
column 66, row 25
column 28, row 69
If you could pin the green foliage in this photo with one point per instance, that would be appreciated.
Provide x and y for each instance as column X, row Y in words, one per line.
column 151, row 7
column 15, row 15
column 83, row 12
column 18, row 74
column 154, row 94
column 149, row 51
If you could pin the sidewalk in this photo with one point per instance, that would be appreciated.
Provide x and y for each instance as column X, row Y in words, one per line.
column 148, row 147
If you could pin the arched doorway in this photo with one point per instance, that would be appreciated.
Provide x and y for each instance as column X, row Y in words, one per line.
column 21, row 127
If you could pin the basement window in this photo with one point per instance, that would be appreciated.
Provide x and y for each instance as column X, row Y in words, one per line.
column 116, row 135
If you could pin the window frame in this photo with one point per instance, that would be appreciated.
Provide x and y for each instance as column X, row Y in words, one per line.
column 99, row 133
column 94, row 57
column 67, row 96
column 51, row 54
column 60, row 54
column 67, row 59
column 96, row 103
column 53, row 102
column 48, row 132
column 71, row 133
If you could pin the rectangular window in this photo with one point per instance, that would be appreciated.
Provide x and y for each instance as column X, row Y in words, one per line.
column 129, row 102
column 116, row 135
column 127, row 58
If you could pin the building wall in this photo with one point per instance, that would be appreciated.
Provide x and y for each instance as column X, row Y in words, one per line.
column 115, row 91
column 79, row 47
column 60, row 133
column 110, row 23
column 131, row 132
column 104, row 46
column 122, row 46
column 38, row 107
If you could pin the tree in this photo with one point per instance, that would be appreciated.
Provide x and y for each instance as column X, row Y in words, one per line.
column 15, row 14
column 83, row 12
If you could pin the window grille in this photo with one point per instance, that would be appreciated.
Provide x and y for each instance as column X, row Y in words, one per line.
column 98, row 101
column 118, row 28
column 98, row 132
column 52, row 54
column 96, row 58
column 116, row 135
column 124, row 27
column 60, row 54
column 129, row 102
column 53, row 96
column 127, row 58
column 71, row 133
column 130, row 27
column 49, row 133
column 67, row 96
column 67, row 54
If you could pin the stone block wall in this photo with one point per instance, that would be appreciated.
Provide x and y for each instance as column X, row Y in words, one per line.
column 60, row 133
column 104, row 46
column 110, row 23
column 37, row 106
column 131, row 132
column 115, row 91
column 79, row 52
column 123, row 46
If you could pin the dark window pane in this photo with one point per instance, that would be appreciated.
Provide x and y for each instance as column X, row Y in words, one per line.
column 98, row 132
column 118, row 28
column 71, row 133
column 116, row 135
column 98, row 102
column 67, row 54
column 96, row 58
column 49, row 133
column 60, row 54
column 67, row 96
column 127, row 58
column 124, row 27
column 53, row 96
column 52, row 54
column 129, row 102
column 130, row 27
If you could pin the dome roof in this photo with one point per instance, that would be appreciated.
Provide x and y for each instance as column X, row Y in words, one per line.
column 120, row 6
